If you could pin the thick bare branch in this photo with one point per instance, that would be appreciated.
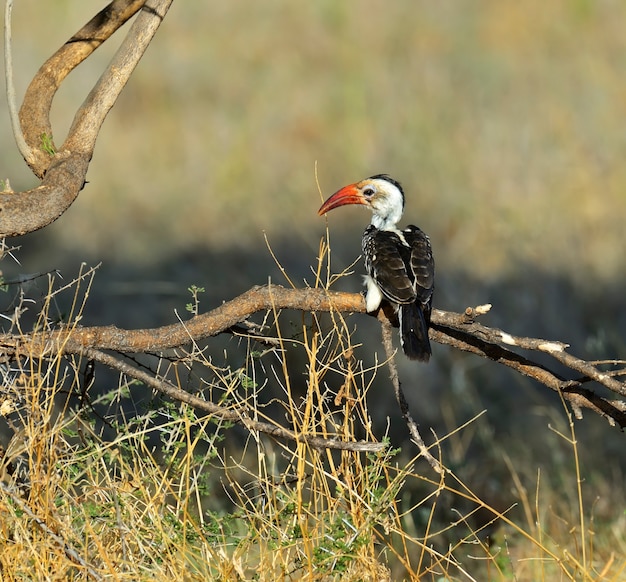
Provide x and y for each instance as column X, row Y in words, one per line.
column 24, row 212
column 209, row 324
column 65, row 171
column 35, row 110
column 89, row 118
column 456, row 330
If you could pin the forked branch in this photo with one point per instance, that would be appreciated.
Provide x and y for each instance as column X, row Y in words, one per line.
column 64, row 169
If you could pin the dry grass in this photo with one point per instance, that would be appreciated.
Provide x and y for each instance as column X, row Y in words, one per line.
column 129, row 489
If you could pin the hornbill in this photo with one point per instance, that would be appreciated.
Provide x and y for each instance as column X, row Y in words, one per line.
column 399, row 263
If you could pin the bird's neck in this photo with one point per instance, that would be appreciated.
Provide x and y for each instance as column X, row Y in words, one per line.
column 385, row 221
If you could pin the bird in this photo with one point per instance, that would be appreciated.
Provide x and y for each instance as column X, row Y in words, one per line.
column 399, row 263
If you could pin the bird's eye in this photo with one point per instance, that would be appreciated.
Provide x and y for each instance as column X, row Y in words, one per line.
column 369, row 191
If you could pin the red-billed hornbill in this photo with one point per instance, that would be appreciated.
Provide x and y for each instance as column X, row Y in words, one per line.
column 399, row 263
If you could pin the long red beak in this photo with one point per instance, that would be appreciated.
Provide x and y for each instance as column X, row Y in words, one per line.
column 347, row 195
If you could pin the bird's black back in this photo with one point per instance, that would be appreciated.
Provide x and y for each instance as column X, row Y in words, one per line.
column 402, row 265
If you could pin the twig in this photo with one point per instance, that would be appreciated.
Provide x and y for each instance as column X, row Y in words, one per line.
column 24, row 148
column 416, row 437
column 614, row 411
column 237, row 416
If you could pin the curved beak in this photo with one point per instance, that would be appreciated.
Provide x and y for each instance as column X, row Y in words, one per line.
column 347, row 195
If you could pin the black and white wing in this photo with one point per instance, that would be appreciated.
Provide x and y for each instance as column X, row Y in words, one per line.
column 401, row 265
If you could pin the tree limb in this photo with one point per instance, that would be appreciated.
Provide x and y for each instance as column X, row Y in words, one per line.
column 90, row 116
column 555, row 349
column 614, row 411
column 416, row 437
column 231, row 414
column 65, row 170
column 456, row 330
column 35, row 110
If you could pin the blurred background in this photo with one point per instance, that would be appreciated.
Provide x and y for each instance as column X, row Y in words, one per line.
column 503, row 121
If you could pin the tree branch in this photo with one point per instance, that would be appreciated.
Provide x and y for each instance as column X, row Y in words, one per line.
column 614, row 411
column 89, row 118
column 35, row 110
column 555, row 349
column 64, row 172
column 231, row 414
column 457, row 330
column 416, row 437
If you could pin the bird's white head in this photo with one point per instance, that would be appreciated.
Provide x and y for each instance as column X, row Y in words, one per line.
column 381, row 194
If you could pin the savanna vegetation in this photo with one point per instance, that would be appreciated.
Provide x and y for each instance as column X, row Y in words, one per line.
column 163, row 418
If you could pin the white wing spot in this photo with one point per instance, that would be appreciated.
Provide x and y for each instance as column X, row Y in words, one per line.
column 373, row 296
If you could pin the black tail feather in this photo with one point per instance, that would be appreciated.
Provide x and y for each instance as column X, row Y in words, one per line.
column 414, row 332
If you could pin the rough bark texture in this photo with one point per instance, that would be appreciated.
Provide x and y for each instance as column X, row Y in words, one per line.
column 24, row 212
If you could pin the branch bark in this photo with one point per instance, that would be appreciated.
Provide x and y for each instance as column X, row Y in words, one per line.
column 233, row 415
column 35, row 110
column 64, row 172
column 457, row 330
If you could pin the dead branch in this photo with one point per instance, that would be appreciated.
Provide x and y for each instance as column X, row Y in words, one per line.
column 231, row 414
column 448, row 328
column 416, row 437
column 65, row 170
column 219, row 320
column 614, row 411
column 555, row 349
